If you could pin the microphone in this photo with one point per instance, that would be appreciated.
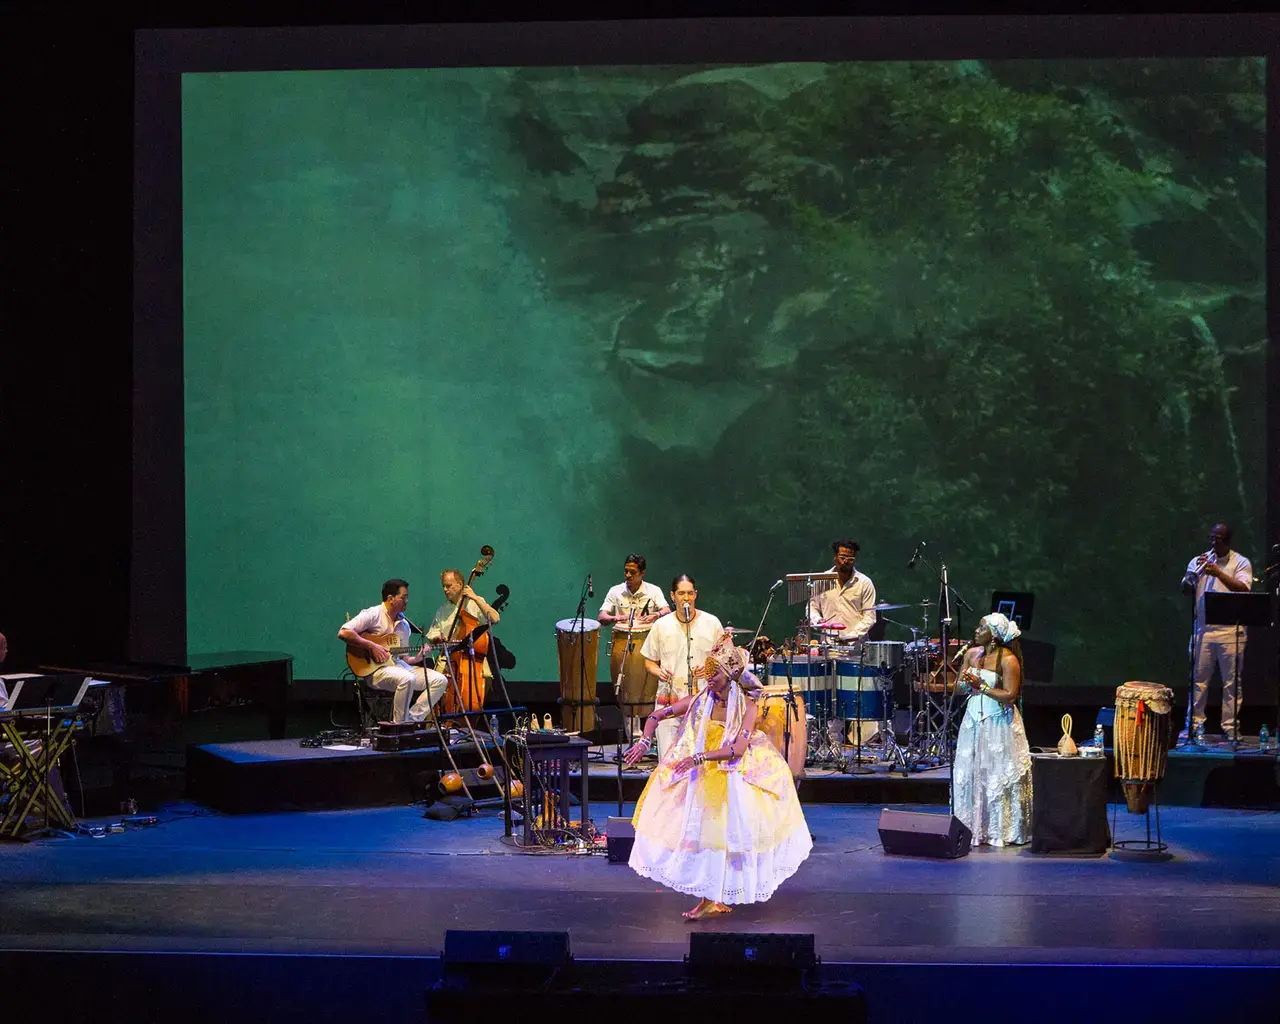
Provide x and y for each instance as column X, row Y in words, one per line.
column 591, row 591
column 687, row 613
column 960, row 653
column 776, row 586
column 915, row 557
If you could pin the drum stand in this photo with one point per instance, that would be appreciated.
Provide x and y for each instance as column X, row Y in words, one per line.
column 1159, row 849
column 857, row 767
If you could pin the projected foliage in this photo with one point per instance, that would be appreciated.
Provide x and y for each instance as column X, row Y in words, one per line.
column 722, row 315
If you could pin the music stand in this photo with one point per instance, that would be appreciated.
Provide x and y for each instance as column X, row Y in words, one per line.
column 1014, row 605
column 1238, row 609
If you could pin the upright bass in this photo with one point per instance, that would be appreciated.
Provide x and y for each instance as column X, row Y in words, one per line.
column 467, row 661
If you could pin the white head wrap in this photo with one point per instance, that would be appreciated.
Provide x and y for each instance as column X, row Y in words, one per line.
column 1001, row 627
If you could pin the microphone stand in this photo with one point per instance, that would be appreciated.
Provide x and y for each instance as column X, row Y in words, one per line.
column 789, row 704
column 578, row 620
column 1193, row 658
column 624, row 727
column 944, row 749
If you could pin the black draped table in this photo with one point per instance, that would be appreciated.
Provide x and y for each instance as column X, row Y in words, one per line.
column 1069, row 805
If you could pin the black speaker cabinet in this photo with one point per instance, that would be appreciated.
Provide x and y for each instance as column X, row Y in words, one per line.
column 621, row 837
column 503, row 958
column 924, row 834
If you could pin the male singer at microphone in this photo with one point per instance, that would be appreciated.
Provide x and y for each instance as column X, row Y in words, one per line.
column 851, row 602
column 631, row 608
column 1217, row 569
column 675, row 650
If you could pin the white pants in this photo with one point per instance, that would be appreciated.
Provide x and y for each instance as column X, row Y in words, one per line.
column 405, row 680
column 1216, row 648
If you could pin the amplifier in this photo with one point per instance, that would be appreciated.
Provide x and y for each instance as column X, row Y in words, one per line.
column 397, row 728
column 401, row 741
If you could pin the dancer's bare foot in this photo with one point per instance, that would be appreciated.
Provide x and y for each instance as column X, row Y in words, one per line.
column 705, row 908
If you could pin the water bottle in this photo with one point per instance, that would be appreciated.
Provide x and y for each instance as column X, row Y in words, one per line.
column 1264, row 739
column 1197, row 734
column 1099, row 740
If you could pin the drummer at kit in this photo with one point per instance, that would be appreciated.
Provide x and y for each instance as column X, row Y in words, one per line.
column 849, row 604
column 675, row 650
column 631, row 608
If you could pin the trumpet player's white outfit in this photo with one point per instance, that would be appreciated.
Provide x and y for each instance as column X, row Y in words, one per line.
column 1215, row 645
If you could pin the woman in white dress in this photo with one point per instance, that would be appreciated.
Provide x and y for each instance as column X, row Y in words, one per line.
column 719, row 817
column 991, row 774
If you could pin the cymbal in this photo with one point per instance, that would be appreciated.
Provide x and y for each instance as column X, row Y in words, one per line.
column 735, row 629
column 886, row 607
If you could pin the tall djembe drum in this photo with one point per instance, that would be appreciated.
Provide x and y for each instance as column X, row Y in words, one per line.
column 1141, row 740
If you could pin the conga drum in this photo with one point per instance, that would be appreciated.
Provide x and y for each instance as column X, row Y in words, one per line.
column 771, row 719
column 639, row 685
column 578, row 646
column 1141, row 740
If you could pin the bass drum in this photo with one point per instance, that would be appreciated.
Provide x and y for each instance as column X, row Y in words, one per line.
column 771, row 719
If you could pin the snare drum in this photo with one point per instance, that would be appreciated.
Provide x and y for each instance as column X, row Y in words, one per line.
column 771, row 720
column 810, row 673
column 578, row 646
column 862, row 692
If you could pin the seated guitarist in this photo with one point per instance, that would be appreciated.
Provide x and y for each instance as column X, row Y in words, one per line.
column 404, row 676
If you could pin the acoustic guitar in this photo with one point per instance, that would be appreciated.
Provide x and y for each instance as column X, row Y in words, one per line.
column 361, row 662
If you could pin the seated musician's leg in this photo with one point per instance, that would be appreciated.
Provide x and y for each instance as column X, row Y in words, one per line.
column 433, row 684
column 400, row 680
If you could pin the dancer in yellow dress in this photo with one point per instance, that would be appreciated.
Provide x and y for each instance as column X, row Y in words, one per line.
column 719, row 817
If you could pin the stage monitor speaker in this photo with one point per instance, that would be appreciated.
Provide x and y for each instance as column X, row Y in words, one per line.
column 500, row 956
column 751, row 949
column 923, row 834
column 621, row 836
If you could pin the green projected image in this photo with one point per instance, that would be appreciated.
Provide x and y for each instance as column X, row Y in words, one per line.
column 721, row 316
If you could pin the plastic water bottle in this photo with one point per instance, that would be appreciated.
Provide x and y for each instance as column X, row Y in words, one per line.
column 1099, row 740
column 1264, row 738
column 1197, row 734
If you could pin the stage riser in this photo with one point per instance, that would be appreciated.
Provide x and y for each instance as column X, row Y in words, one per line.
column 241, row 783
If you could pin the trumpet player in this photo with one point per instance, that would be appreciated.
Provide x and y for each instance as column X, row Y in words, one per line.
column 1217, row 569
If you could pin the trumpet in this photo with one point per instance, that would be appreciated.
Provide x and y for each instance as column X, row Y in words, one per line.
column 1202, row 560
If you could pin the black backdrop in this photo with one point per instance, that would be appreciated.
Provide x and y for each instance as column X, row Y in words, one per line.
column 66, row 380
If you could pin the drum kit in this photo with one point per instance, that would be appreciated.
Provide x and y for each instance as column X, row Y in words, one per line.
column 839, row 698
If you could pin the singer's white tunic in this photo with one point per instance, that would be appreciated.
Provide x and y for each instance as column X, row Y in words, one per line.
column 668, row 645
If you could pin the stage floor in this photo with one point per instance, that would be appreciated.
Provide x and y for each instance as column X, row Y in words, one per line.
column 384, row 881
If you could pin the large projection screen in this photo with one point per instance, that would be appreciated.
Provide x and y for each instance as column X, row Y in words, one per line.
column 719, row 311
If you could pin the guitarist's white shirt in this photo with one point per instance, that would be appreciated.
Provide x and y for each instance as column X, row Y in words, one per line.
column 376, row 621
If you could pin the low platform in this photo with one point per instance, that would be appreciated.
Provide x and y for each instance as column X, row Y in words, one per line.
column 257, row 776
